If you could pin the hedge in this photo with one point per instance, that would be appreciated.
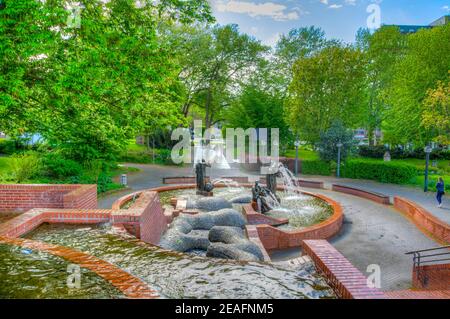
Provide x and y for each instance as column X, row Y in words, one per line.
column 385, row 172
column 316, row 168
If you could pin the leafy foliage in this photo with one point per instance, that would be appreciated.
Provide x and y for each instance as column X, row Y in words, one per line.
column 337, row 133
column 385, row 172
column 327, row 86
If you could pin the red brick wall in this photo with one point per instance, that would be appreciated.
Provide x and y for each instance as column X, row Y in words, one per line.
column 153, row 222
column 346, row 281
column 24, row 197
column 432, row 277
column 144, row 219
column 379, row 198
column 423, row 219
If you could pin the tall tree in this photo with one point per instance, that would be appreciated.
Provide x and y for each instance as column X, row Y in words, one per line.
column 427, row 61
column 216, row 61
column 383, row 50
column 327, row 86
column 297, row 44
column 88, row 89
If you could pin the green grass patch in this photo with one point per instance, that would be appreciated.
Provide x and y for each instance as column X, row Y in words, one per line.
column 303, row 154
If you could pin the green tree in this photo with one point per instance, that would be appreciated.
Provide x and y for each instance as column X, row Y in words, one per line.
column 436, row 113
column 383, row 50
column 297, row 44
column 89, row 89
column 215, row 62
column 258, row 108
column 425, row 63
column 327, row 86
column 329, row 140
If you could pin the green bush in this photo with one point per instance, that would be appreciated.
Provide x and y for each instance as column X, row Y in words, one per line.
column 25, row 166
column 8, row 146
column 58, row 167
column 385, row 172
column 316, row 168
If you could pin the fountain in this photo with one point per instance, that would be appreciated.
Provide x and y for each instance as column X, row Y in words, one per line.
column 203, row 187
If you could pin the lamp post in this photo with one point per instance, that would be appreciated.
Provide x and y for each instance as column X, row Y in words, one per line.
column 428, row 150
column 297, row 145
column 339, row 146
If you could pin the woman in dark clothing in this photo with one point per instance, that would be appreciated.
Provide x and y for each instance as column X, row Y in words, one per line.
column 440, row 187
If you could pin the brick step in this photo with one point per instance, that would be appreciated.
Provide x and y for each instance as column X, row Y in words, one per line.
column 418, row 294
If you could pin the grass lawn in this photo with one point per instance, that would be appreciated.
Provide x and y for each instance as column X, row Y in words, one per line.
column 303, row 154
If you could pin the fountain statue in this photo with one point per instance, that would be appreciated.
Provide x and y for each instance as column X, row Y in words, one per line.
column 263, row 198
column 203, row 187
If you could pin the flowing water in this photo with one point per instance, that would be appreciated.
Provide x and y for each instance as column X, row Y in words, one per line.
column 27, row 274
column 176, row 275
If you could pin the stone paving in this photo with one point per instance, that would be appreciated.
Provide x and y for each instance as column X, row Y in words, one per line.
column 372, row 233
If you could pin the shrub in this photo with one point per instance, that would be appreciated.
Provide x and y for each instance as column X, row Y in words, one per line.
column 372, row 151
column 316, row 168
column 8, row 146
column 385, row 172
column 25, row 166
column 58, row 167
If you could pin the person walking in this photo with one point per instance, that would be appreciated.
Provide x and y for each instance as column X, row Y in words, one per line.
column 440, row 187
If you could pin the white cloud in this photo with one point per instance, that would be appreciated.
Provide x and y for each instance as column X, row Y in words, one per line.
column 350, row 2
column 446, row 8
column 324, row 1
column 272, row 10
column 335, row 6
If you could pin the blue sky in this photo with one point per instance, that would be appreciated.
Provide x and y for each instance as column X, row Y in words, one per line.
column 267, row 19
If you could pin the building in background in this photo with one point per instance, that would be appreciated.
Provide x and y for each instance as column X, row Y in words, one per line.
column 408, row 29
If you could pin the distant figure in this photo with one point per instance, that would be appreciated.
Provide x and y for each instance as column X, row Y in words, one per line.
column 440, row 186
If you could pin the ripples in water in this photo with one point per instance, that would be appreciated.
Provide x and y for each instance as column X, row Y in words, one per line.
column 177, row 275
column 28, row 274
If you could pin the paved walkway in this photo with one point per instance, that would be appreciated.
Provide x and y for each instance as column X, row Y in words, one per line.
column 373, row 234
column 426, row 200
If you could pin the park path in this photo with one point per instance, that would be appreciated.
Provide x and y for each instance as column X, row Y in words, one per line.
column 426, row 200
column 373, row 234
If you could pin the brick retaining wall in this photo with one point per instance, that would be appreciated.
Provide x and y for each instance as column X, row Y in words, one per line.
column 376, row 197
column 346, row 281
column 424, row 219
column 432, row 277
column 20, row 198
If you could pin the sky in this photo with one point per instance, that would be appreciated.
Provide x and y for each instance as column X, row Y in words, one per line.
column 268, row 19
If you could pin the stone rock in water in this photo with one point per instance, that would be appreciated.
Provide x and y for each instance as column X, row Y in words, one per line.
column 244, row 199
column 228, row 217
column 209, row 204
column 224, row 251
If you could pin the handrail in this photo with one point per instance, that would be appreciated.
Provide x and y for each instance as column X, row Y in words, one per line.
column 430, row 249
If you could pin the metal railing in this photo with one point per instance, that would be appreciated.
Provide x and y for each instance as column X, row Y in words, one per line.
column 429, row 257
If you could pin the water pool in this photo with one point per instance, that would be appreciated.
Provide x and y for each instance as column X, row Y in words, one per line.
column 176, row 275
